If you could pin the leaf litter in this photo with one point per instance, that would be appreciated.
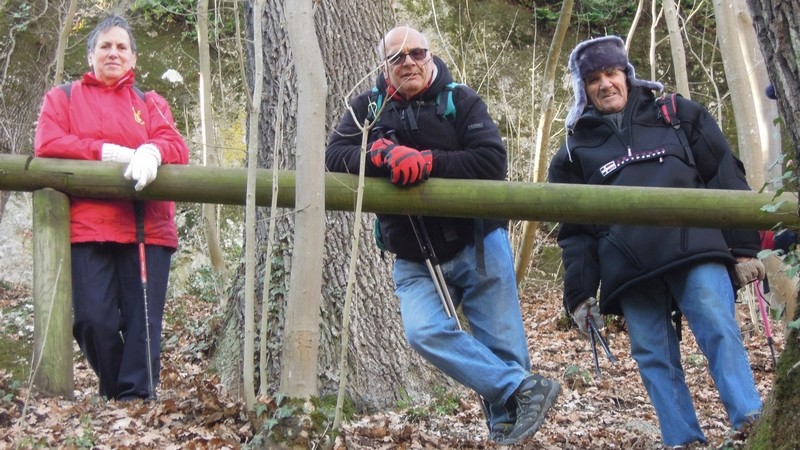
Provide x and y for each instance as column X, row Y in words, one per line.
column 194, row 411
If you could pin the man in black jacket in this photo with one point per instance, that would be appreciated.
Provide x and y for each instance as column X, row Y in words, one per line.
column 428, row 126
column 618, row 135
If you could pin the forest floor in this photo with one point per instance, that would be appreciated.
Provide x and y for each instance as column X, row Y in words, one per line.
column 194, row 411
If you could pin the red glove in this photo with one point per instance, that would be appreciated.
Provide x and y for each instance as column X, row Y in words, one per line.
column 378, row 151
column 408, row 166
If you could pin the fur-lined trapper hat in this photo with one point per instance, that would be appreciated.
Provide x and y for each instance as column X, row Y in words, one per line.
column 605, row 52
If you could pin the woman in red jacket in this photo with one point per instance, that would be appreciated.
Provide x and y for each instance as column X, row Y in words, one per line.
column 103, row 117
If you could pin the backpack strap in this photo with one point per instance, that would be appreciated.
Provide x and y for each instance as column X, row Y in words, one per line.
column 444, row 101
column 667, row 106
column 445, row 107
column 67, row 88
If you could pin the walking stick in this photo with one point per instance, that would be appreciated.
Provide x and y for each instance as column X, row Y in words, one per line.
column 139, row 212
column 594, row 338
column 765, row 320
column 432, row 262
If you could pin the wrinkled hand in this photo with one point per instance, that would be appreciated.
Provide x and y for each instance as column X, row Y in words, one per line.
column 143, row 167
column 583, row 311
column 378, row 151
column 116, row 153
column 747, row 270
column 408, row 166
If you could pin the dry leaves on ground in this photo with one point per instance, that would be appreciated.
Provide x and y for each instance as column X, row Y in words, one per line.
column 194, row 411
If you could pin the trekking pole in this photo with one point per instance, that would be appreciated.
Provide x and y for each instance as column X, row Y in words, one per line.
column 593, row 343
column 765, row 319
column 139, row 212
column 594, row 338
column 432, row 262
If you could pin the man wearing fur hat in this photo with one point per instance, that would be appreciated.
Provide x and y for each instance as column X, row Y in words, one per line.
column 617, row 135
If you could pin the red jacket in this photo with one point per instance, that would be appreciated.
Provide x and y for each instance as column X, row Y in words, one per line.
column 78, row 126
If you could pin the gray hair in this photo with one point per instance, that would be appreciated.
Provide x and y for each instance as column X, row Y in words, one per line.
column 105, row 25
column 381, row 47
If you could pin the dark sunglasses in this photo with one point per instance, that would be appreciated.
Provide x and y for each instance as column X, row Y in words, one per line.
column 417, row 54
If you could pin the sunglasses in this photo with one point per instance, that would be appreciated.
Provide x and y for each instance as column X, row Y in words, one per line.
column 417, row 54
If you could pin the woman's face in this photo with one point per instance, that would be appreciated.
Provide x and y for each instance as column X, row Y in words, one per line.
column 112, row 55
column 607, row 90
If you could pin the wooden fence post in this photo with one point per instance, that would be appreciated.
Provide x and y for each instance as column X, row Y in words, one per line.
column 52, row 294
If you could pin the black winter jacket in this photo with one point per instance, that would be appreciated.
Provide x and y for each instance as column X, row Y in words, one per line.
column 467, row 146
column 644, row 151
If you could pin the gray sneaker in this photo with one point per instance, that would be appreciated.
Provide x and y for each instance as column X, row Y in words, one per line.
column 534, row 396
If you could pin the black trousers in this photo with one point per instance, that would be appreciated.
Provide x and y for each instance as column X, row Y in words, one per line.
column 109, row 313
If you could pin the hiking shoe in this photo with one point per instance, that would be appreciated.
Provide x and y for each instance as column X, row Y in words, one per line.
column 534, row 397
column 500, row 431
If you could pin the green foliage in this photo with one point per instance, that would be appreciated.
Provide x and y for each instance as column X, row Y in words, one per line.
column 577, row 377
column 299, row 423
column 605, row 16
column 695, row 360
column 87, row 437
column 445, row 402
column 167, row 11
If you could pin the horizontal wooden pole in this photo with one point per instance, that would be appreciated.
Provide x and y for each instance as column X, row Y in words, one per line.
column 442, row 197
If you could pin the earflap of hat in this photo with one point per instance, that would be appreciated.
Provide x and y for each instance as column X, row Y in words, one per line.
column 652, row 85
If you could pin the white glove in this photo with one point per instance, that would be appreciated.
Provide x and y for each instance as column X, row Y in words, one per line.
column 144, row 165
column 116, row 153
column 747, row 270
column 582, row 312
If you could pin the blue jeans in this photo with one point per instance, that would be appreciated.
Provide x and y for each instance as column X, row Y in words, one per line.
column 704, row 295
column 492, row 359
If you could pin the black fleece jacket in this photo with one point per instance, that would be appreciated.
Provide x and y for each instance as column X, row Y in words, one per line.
column 467, row 146
column 644, row 151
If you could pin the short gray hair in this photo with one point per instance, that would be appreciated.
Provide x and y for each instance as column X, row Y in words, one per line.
column 105, row 25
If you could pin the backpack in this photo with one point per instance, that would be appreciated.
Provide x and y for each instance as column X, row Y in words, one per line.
column 67, row 88
column 667, row 106
column 444, row 102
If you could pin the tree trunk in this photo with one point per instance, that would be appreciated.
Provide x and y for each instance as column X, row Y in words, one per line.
column 748, row 137
column 28, row 39
column 301, row 342
column 777, row 30
column 525, row 249
column 384, row 368
column 676, row 48
column 210, row 149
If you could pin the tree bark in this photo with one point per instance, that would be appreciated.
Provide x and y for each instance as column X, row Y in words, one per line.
column 777, row 29
column 525, row 250
column 28, row 39
column 301, row 342
column 210, row 150
column 744, row 110
column 384, row 367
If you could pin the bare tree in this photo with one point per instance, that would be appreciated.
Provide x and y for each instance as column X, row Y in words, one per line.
column 384, row 368
column 777, row 27
column 301, row 342
column 748, row 137
column 210, row 150
column 28, row 40
column 525, row 250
